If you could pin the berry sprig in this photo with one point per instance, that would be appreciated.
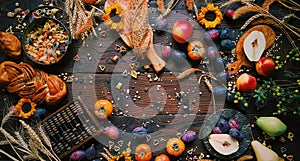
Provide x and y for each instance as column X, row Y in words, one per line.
column 280, row 61
column 240, row 101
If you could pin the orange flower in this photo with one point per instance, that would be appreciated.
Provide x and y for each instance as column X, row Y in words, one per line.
column 113, row 17
column 210, row 16
column 25, row 108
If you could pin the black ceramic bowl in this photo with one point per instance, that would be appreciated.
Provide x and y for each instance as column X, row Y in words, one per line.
column 45, row 41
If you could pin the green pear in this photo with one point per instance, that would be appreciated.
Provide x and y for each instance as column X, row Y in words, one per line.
column 263, row 153
column 271, row 126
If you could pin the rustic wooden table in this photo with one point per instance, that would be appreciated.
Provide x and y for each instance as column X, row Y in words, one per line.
column 151, row 100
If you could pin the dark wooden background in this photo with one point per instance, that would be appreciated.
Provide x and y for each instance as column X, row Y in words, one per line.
column 91, row 84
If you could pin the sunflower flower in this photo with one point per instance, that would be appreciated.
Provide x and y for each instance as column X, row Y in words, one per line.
column 113, row 17
column 210, row 16
column 25, row 108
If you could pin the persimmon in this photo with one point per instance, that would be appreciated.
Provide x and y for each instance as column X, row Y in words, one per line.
column 196, row 50
column 162, row 157
column 143, row 152
column 103, row 109
column 175, row 147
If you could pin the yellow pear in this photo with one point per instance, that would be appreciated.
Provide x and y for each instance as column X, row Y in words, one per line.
column 263, row 153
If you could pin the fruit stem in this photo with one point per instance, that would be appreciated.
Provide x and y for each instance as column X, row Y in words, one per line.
column 252, row 136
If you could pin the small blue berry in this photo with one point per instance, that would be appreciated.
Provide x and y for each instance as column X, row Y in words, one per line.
column 90, row 153
column 189, row 136
column 227, row 45
column 223, row 125
column 139, row 132
column 225, row 33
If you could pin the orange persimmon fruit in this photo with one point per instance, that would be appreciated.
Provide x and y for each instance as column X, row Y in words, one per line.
column 103, row 109
column 175, row 147
column 143, row 152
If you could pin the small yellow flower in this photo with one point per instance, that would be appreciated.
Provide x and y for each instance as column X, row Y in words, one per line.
column 25, row 108
column 210, row 16
column 113, row 17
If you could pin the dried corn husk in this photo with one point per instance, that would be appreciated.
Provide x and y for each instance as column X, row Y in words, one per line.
column 137, row 32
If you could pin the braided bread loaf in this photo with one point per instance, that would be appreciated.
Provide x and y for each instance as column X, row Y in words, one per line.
column 33, row 84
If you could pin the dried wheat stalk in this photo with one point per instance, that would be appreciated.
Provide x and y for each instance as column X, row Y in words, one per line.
column 246, row 9
column 44, row 136
column 189, row 4
column 6, row 117
column 33, row 149
column 196, row 10
column 170, row 6
column 295, row 8
column 8, row 136
column 251, row 19
column 4, row 142
column 231, row 2
column 80, row 21
column 8, row 155
column 46, row 140
column 32, row 134
column 266, row 21
column 21, row 140
column 160, row 5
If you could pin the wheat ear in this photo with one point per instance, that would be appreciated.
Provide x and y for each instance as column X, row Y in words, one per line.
column 247, row 9
column 251, row 19
column 44, row 136
column 6, row 117
column 8, row 136
column 33, row 149
column 32, row 134
column 21, row 140
column 10, row 140
column 46, row 140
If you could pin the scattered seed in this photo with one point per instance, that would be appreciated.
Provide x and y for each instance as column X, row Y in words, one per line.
column 10, row 14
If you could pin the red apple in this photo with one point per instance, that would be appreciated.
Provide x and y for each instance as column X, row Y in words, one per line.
column 182, row 31
column 265, row 66
column 246, row 83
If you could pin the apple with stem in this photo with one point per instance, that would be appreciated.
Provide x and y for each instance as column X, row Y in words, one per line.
column 265, row 66
column 182, row 31
column 246, row 83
